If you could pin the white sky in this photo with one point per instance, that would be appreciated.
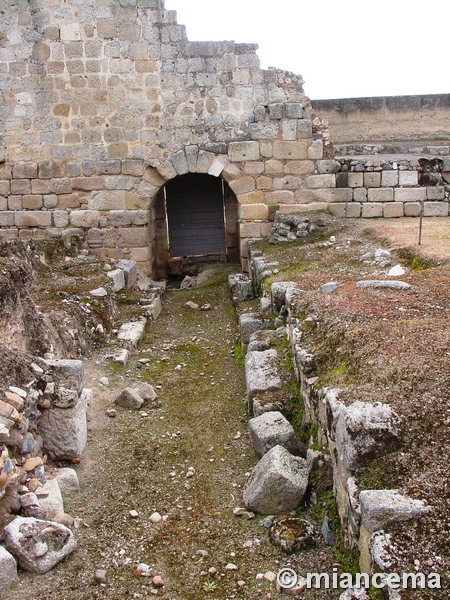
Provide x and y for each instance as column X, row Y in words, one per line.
column 342, row 48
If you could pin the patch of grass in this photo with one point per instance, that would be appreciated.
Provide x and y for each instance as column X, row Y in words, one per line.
column 238, row 354
column 116, row 367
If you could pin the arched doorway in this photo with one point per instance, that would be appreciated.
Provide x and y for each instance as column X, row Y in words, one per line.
column 200, row 223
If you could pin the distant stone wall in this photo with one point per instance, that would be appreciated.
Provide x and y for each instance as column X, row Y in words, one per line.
column 102, row 102
column 391, row 125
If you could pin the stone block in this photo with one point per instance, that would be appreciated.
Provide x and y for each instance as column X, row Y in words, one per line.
column 304, row 132
column 365, row 431
column 106, row 29
column 273, row 167
column 8, row 571
column 243, row 151
column 191, row 157
column 288, row 130
column 60, row 218
column 408, row 178
column 107, row 200
column 280, row 197
column 7, row 218
column 217, row 166
column 410, row 194
column 67, row 373
column 179, row 162
column 3, row 203
column 129, row 398
column 20, row 186
column 389, row 178
column 129, row 270
column 337, row 209
column 315, row 151
column 130, row 334
column 321, row 181
column 333, row 195
column 67, row 479
column 293, row 110
column 38, row 545
column 380, row 508
column 33, row 218
column 253, row 211
column 263, row 131
column 243, row 185
column 140, row 254
column 290, row 150
column 371, row 210
column 261, row 368
column 392, row 210
column 380, row 194
column 436, row 209
column 272, row 429
column 4, row 188
column 435, row 193
column 64, row 430
column 328, row 166
column 50, row 498
column 70, row 32
column 411, row 209
column 89, row 184
column 277, row 484
column 359, row 195
column 355, row 180
column 118, row 279
column 250, row 230
column 25, row 170
column 132, row 237
column 372, row 180
column 84, row 218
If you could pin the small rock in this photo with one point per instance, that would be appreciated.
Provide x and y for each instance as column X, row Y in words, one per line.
column 111, row 412
column 267, row 522
column 158, row 581
column 270, row 576
column 241, row 583
column 155, row 517
column 238, row 512
column 32, row 463
column 104, row 381
column 212, row 570
column 206, row 307
column 63, row 519
column 134, row 514
column 327, row 533
column 191, row 305
column 100, row 576
column 328, row 288
column 231, row 567
column 396, row 271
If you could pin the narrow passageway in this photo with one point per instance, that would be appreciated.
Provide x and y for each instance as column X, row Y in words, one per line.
column 187, row 461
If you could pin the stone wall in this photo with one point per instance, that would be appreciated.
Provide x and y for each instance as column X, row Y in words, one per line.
column 105, row 101
column 395, row 124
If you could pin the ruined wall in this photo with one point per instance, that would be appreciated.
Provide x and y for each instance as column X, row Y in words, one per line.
column 104, row 101
column 419, row 124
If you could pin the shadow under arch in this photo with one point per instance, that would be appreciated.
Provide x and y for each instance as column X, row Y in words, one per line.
column 196, row 221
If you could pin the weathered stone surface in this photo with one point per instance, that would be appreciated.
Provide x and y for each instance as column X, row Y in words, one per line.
column 379, row 508
column 277, row 484
column 251, row 322
column 273, row 429
column 262, row 372
column 118, row 278
column 64, row 430
column 278, row 294
column 365, row 431
column 8, row 571
column 67, row 479
column 381, row 283
column 294, row 535
column 67, row 373
column 145, row 391
column 131, row 334
column 38, row 545
column 241, row 287
column 129, row 398
column 129, row 269
column 50, row 498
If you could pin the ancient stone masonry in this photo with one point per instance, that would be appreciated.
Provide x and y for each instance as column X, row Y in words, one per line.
column 103, row 102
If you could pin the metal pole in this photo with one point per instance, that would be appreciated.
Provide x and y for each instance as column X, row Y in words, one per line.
column 422, row 208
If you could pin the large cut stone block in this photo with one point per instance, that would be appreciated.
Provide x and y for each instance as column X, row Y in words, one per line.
column 379, row 508
column 261, row 372
column 273, row 429
column 64, row 430
column 67, row 373
column 131, row 334
column 251, row 322
column 240, row 151
column 129, row 269
column 277, row 484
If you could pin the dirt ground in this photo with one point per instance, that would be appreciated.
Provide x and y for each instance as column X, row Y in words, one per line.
column 375, row 345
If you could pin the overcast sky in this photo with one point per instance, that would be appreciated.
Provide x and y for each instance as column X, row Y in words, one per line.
column 343, row 49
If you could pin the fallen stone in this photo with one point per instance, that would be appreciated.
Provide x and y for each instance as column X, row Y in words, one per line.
column 132, row 333
column 328, row 288
column 155, row 517
column 38, row 545
column 64, row 430
column 129, row 398
column 272, row 429
column 293, row 535
column 63, row 519
column 68, row 481
column 8, row 571
column 129, row 269
column 99, row 292
column 396, row 271
column 100, row 576
column 118, row 279
column 158, row 581
column 251, row 322
column 145, row 391
column 120, row 356
column 365, row 431
column 191, row 305
column 380, row 283
column 50, row 498
column 277, row 484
